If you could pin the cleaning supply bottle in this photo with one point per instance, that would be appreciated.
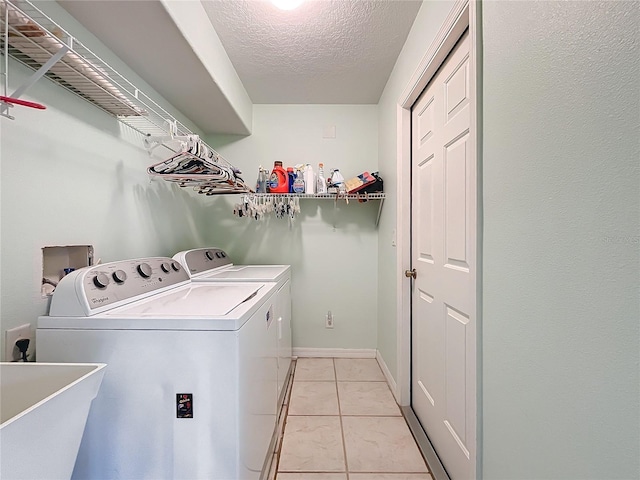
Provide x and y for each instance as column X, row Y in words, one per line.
column 278, row 181
column 309, row 180
column 336, row 183
column 298, row 183
column 261, row 184
column 321, row 183
column 263, row 180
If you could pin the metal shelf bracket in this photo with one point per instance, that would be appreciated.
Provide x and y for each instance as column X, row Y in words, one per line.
column 37, row 75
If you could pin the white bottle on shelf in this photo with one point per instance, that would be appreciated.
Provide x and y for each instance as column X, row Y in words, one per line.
column 321, row 182
column 309, row 183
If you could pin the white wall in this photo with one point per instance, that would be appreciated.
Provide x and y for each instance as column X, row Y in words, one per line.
column 561, row 240
column 333, row 268
column 426, row 26
column 73, row 174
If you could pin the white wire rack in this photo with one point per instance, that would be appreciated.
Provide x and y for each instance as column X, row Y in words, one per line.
column 363, row 197
column 28, row 35
column 346, row 197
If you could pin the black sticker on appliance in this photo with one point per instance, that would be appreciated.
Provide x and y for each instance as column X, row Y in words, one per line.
column 184, row 405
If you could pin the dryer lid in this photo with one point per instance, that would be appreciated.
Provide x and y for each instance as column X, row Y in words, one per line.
column 210, row 299
column 252, row 273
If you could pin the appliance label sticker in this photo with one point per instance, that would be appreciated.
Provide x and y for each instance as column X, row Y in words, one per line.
column 184, row 405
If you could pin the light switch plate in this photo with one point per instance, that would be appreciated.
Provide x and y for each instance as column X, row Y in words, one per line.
column 329, row 131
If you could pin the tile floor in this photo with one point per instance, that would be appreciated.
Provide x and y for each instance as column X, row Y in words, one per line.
column 343, row 423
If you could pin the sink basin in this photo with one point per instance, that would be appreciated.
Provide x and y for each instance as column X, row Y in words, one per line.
column 43, row 411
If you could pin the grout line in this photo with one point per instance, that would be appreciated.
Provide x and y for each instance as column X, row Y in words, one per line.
column 344, row 443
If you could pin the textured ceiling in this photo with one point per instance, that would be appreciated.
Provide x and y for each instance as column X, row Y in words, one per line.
column 325, row 51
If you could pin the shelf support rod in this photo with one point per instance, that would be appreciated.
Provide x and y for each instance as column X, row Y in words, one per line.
column 5, row 35
column 379, row 211
column 36, row 76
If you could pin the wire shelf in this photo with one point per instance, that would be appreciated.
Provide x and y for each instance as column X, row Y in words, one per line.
column 32, row 38
column 326, row 196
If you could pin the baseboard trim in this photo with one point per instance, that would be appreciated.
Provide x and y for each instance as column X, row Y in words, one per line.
column 387, row 374
column 435, row 466
column 334, row 352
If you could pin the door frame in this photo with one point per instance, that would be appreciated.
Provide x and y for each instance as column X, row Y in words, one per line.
column 464, row 14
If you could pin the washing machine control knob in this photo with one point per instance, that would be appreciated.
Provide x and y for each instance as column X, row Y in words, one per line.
column 119, row 276
column 209, row 254
column 145, row 270
column 175, row 266
column 165, row 267
column 101, row 280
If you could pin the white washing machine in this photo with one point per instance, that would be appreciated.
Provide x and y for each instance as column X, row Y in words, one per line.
column 214, row 265
column 186, row 389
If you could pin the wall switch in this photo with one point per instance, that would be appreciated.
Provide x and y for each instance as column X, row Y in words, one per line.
column 329, row 131
column 328, row 320
column 11, row 352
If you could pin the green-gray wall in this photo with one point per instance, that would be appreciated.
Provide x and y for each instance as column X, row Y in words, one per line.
column 332, row 249
column 561, row 240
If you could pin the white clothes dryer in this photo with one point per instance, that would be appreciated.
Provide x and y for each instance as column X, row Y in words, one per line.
column 214, row 265
column 186, row 390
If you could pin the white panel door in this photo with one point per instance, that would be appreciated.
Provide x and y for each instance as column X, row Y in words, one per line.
column 443, row 391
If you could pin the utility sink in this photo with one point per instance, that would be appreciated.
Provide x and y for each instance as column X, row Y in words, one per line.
column 43, row 411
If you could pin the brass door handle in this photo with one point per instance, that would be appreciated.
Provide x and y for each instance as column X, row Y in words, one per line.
column 410, row 273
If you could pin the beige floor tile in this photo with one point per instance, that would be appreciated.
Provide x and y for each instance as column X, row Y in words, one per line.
column 312, row 476
column 381, row 444
column 358, row 370
column 312, row 444
column 389, row 476
column 366, row 398
column 314, row 398
column 314, row 369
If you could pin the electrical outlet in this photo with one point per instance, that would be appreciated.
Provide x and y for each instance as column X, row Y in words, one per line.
column 11, row 352
column 328, row 322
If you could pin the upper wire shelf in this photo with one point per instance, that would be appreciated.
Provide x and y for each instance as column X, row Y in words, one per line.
column 31, row 37
column 326, row 196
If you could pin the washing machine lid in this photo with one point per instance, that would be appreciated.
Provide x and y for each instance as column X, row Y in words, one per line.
column 194, row 306
column 250, row 273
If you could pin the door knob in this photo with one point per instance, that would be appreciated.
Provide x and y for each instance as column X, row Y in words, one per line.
column 410, row 273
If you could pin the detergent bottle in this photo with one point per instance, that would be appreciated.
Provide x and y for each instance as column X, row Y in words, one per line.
column 278, row 181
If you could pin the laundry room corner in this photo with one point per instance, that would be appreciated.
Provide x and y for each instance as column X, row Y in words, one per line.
column 331, row 245
column 74, row 175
